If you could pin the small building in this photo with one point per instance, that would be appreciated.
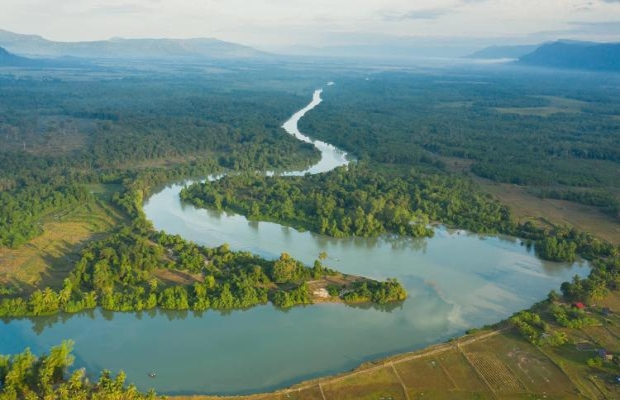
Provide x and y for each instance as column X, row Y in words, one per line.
column 605, row 355
column 579, row 306
column 606, row 311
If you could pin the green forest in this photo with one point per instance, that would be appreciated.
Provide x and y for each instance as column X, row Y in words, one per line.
column 356, row 200
column 556, row 132
column 56, row 135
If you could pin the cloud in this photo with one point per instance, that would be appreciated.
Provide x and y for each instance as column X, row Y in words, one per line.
column 606, row 27
column 277, row 23
column 428, row 14
column 582, row 30
column 119, row 9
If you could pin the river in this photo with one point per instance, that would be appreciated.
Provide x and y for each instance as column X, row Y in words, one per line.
column 456, row 281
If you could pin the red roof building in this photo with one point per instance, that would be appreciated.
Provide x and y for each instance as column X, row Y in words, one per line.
column 579, row 306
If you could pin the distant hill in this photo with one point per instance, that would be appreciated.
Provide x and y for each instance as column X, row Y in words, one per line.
column 7, row 59
column 33, row 45
column 576, row 55
column 11, row 60
column 497, row 52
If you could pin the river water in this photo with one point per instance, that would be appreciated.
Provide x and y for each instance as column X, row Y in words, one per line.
column 456, row 281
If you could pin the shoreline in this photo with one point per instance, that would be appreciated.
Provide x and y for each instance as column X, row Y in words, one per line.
column 364, row 368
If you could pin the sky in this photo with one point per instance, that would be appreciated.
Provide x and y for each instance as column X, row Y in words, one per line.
column 281, row 24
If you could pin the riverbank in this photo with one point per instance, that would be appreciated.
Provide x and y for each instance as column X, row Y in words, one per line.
column 488, row 364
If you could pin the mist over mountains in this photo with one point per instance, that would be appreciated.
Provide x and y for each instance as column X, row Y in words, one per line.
column 562, row 54
column 33, row 45
column 497, row 52
column 8, row 59
column 575, row 55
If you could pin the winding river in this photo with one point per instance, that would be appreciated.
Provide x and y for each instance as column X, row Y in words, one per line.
column 456, row 281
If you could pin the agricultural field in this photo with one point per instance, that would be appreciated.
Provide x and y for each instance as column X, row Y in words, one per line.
column 47, row 259
column 555, row 105
column 526, row 206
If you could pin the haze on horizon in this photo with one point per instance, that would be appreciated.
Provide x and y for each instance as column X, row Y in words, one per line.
column 281, row 25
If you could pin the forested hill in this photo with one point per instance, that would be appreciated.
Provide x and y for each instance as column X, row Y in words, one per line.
column 576, row 55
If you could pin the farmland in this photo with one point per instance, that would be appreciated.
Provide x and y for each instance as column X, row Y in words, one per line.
column 47, row 259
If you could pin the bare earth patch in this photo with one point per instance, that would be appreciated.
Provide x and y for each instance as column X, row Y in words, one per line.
column 176, row 277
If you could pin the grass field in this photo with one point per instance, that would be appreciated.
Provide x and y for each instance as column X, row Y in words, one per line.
column 47, row 259
column 555, row 105
column 526, row 206
column 496, row 364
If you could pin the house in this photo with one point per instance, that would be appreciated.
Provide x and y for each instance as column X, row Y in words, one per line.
column 605, row 311
column 605, row 355
column 579, row 305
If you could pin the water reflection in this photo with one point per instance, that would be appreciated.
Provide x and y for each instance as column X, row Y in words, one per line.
column 390, row 307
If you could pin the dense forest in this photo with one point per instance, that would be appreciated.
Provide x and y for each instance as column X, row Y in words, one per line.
column 356, row 200
column 55, row 135
column 522, row 128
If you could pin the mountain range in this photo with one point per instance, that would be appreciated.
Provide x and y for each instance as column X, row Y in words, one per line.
column 561, row 54
column 575, row 55
column 498, row 52
column 33, row 45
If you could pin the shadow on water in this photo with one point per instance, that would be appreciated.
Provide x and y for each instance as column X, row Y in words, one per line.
column 39, row 324
column 397, row 243
column 388, row 308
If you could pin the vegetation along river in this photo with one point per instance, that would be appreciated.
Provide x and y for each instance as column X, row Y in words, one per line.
column 455, row 281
